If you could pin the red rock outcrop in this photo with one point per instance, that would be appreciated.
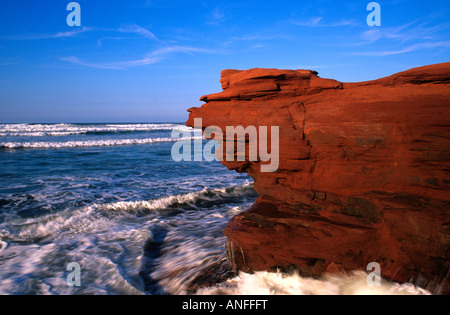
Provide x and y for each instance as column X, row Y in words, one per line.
column 364, row 173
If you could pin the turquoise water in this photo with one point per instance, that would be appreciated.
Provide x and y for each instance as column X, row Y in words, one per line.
column 110, row 198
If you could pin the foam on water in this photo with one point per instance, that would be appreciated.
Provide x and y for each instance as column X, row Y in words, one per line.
column 100, row 216
column 136, row 221
column 41, row 130
column 2, row 245
column 156, row 246
column 191, row 200
column 159, row 246
column 265, row 283
column 93, row 143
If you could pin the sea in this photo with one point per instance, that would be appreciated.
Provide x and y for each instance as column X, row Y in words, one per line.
column 110, row 199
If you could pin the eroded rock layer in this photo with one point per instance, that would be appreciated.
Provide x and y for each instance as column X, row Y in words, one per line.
column 364, row 173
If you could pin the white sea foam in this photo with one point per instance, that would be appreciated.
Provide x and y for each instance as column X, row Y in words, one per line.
column 3, row 245
column 265, row 283
column 90, row 143
column 97, row 217
column 39, row 268
column 109, row 242
column 138, row 207
column 113, row 236
column 40, row 130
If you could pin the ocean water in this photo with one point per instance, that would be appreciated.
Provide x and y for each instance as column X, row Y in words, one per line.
column 110, row 198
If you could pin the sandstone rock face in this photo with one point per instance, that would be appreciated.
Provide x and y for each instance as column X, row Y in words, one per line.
column 364, row 173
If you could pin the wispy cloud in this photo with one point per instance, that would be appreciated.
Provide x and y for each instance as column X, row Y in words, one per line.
column 407, row 32
column 405, row 38
column 260, row 37
column 310, row 23
column 319, row 22
column 66, row 34
column 257, row 40
column 130, row 29
column 112, row 65
column 72, row 33
column 136, row 29
column 411, row 48
column 151, row 58
column 216, row 17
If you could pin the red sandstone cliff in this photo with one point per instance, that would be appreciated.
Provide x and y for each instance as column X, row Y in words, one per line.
column 364, row 173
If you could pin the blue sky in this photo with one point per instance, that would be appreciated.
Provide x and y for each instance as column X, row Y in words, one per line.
column 149, row 61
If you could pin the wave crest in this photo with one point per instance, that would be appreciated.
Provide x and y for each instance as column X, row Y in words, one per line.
column 41, row 130
column 91, row 143
column 194, row 200
column 97, row 217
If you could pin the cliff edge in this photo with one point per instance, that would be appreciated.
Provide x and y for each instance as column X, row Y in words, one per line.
column 364, row 173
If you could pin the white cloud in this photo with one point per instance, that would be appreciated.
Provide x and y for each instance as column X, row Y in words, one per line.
column 411, row 48
column 112, row 65
column 151, row 58
column 310, row 23
column 73, row 33
column 136, row 29
column 407, row 32
column 319, row 22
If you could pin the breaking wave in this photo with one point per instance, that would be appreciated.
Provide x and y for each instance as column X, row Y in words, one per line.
column 194, row 200
column 89, row 143
column 159, row 246
column 99, row 216
column 169, row 245
column 265, row 283
column 41, row 130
